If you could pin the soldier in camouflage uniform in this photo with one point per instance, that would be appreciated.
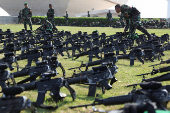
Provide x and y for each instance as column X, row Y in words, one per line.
column 19, row 17
column 109, row 18
column 132, row 17
column 26, row 16
column 46, row 25
column 66, row 18
column 88, row 14
column 50, row 16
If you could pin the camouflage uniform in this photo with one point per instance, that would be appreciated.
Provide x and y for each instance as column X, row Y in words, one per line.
column 38, row 21
column 19, row 17
column 109, row 17
column 50, row 17
column 47, row 26
column 66, row 18
column 132, row 17
column 88, row 15
column 26, row 16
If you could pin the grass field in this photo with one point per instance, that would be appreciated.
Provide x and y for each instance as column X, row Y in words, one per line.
column 126, row 74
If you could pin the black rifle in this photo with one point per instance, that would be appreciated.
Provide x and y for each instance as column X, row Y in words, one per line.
column 87, row 45
column 76, row 46
column 48, row 84
column 139, row 107
column 30, row 56
column 54, row 63
column 109, row 57
column 108, row 48
column 47, row 51
column 26, row 46
column 8, row 48
column 94, row 51
column 99, row 75
column 150, row 91
column 1, row 36
column 9, row 59
column 149, row 55
column 162, row 62
column 10, row 103
column 137, row 52
column 60, row 49
column 165, row 77
column 120, row 46
column 5, row 76
column 34, row 72
column 164, row 38
column 155, row 46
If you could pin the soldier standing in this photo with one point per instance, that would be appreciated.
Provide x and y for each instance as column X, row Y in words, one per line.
column 26, row 16
column 19, row 17
column 66, row 18
column 88, row 14
column 109, row 18
column 132, row 17
column 50, row 16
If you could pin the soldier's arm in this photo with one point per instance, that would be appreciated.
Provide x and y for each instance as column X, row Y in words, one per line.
column 22, row 14
column 53, row 11
column 30, row 13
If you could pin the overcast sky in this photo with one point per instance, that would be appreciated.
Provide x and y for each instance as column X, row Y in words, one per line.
column 150, row 8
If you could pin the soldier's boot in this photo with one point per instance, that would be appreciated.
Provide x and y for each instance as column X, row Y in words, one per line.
column 25, row 26
column 30, row 27
column 143, row 30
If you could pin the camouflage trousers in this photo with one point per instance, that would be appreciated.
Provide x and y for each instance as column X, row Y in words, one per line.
column 109, row 22
column 27, row 21
column 51, row 20
column 66, row 22
column 136, row 24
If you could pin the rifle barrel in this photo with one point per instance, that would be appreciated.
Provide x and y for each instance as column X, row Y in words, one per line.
column 143, row 74
column 72, row 107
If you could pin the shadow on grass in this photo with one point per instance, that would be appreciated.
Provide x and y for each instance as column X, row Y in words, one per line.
column 131, row 65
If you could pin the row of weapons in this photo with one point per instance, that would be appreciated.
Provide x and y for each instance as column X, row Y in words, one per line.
column 99, row 76
column 46, row 43
column 102, row 76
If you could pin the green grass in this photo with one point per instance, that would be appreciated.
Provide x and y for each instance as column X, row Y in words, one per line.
column 125, row 73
